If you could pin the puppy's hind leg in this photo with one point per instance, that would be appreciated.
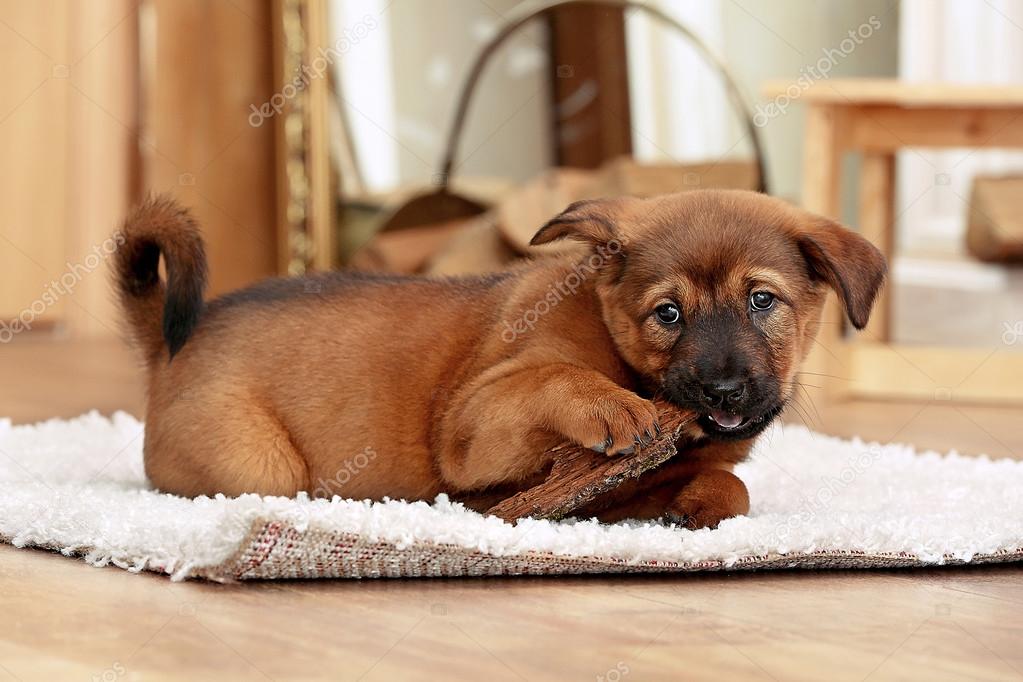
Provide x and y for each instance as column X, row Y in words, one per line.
column 692, row 498
column 223, row 451
column 709, row 498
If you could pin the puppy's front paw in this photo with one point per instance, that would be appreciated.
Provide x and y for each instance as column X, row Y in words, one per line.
column 616, row 424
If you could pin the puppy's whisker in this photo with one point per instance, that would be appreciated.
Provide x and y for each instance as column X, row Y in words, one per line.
column 800, row 411
column 791, row 405
column 800, row 384
column 812, row 405
column 808, row 422
column 806, row 394
column 829, row 352
column 819, row 374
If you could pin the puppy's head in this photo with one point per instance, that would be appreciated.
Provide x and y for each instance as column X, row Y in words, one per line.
column 714, row 297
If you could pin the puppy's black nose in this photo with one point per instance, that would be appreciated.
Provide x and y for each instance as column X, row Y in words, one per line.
column 728, row 393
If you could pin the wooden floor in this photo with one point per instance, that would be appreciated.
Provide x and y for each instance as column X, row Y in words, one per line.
column 62, row 619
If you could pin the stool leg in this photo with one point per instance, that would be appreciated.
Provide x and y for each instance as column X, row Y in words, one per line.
column 877, row 223
column 821, row 157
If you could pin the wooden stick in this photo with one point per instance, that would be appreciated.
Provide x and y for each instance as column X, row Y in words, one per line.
column 580, row 475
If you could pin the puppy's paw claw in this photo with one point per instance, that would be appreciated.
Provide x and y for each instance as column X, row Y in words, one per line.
column 697, row 516
column 649, row 436
column 681, row 520
column 626, row 422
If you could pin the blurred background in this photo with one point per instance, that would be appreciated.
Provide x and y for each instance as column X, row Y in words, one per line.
column 409, row 136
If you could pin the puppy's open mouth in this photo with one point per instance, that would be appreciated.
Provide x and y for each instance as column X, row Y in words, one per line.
column 722, row 424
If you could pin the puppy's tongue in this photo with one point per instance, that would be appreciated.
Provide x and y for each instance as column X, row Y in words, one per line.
column 725, row 420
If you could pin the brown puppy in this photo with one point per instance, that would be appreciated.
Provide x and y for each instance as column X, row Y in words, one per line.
column 406, row 387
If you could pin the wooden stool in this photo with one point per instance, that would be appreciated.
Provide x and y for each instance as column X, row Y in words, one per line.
column 877, row 118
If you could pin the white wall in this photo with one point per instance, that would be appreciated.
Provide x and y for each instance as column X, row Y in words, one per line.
column 680, row 110
column 402, row 79
column 965, row 42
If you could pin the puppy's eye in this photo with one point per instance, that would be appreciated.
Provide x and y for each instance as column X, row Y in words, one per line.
column 761, row 300
column 667, row 313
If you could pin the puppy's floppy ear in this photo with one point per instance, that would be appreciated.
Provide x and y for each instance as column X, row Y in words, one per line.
column 850, row 264
column 591, row 221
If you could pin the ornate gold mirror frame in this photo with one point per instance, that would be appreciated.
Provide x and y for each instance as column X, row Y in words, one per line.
column 305, row 206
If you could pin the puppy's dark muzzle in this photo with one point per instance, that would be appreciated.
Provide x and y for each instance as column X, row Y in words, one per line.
column 730, row 408
column 725, row 394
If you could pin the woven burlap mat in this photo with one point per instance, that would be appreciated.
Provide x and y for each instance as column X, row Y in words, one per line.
column 276, row 550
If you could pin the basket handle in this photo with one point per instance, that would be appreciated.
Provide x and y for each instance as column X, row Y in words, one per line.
column 524, row 13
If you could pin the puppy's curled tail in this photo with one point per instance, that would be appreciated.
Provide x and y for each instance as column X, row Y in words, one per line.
column 159, row 313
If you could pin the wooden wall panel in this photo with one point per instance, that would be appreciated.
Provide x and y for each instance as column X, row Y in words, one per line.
column 34, row 50
column 80, row 144
column 205, row 63
column 102, row 159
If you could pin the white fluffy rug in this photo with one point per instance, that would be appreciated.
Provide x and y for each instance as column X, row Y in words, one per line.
column 78, row 486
